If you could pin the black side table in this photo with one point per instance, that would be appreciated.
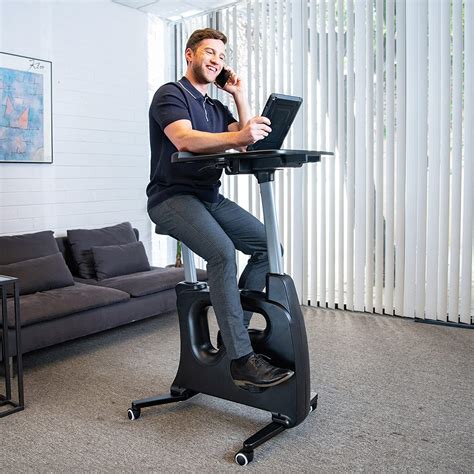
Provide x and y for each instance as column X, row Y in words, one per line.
column 11, row 283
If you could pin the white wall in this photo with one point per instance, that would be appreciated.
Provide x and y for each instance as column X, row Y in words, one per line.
column 99, row 53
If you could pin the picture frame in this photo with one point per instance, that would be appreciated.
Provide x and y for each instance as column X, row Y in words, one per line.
column 26, row 119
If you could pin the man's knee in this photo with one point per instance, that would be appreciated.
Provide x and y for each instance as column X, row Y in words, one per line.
column 223, row 253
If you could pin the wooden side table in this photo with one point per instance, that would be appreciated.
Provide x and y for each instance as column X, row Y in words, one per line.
column 10, row 283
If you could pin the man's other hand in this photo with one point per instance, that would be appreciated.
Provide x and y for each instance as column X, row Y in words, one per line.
column 255, row 129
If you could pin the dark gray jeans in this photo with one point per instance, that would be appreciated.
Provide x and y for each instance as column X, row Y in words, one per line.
column 214, row 231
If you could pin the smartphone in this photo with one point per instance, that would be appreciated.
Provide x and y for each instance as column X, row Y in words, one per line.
column 222, row 78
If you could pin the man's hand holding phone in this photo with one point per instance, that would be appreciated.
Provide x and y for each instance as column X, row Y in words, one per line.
column 229, row 81
column 222, row 78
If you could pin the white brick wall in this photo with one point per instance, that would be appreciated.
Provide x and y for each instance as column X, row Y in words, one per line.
column 99, row 52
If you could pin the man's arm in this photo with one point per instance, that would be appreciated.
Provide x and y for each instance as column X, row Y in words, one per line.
column 236, row 88
column 184, row 138
column 243, row 110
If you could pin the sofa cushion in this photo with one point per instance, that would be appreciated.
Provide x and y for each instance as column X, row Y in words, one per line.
column 115, row 260
column 40, row 274
column 82, row 241
column 146, row 283
column 60, row 302
column 15, row 248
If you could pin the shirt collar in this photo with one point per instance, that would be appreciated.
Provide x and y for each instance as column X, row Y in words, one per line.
column 193, row 92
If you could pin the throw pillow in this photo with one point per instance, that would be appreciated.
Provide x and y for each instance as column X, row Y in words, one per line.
column 16, row 248
column 115, row 260
column 40, row 274
column 82, row 241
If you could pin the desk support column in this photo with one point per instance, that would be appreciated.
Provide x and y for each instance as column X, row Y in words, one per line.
column 275, row 258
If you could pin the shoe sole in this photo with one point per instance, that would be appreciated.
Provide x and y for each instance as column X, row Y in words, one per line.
column 245, row 384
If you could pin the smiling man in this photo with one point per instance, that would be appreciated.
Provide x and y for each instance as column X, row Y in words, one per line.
column 184, row 199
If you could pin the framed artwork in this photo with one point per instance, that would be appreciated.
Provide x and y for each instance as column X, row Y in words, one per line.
column 26, row 130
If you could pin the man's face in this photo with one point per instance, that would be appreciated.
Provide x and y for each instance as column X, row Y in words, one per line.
column 207, row 60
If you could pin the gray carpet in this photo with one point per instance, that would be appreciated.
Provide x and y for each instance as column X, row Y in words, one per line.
column 394, row 396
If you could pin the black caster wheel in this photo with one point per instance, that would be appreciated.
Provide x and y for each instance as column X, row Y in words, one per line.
column 133, row 413
column 242, row 458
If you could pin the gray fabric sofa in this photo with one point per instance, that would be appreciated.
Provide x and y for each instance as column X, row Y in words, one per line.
column 80, row 306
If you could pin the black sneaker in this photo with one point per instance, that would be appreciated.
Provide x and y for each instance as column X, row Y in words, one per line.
column 257, row 372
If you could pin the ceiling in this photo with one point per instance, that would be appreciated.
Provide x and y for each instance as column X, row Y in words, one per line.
column 174, row 9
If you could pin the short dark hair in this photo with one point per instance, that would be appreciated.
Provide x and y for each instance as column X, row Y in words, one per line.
column 206, row 33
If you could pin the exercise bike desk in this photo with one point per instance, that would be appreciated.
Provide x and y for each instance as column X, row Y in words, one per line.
column 204, row 368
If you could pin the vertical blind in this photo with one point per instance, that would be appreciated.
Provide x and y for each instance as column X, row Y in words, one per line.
column 385, row 225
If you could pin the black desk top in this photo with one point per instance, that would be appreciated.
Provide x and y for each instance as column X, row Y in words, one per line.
column 253, row 162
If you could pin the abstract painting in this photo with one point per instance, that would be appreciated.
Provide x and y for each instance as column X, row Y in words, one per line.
column 25, row 110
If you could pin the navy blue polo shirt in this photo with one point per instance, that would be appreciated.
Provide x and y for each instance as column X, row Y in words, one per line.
column 177, row 101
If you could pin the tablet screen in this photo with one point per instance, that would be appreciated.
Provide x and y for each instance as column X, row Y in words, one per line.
column 281, row 110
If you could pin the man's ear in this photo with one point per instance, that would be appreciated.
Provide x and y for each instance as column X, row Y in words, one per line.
column 189, row 54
